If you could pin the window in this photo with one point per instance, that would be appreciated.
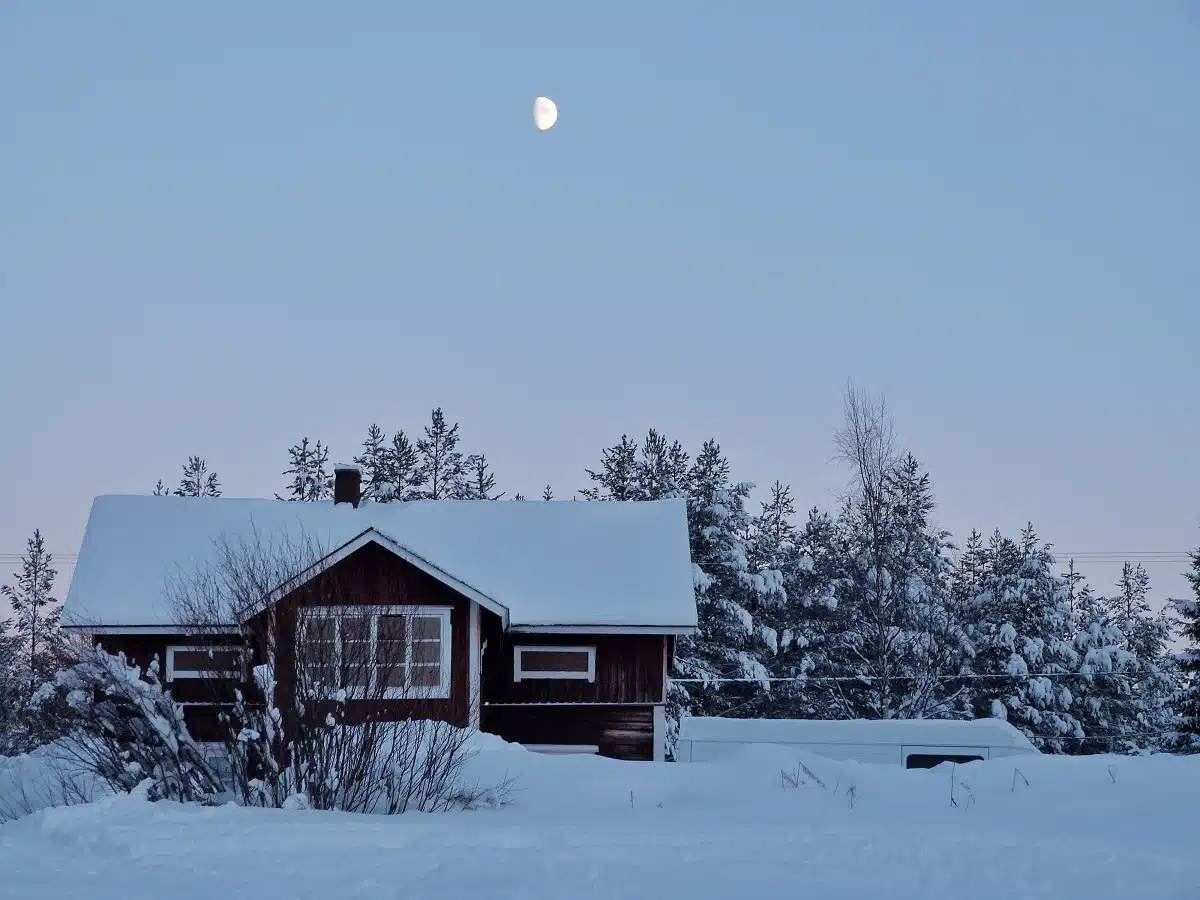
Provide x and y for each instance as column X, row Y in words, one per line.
column 204, row 662
column 385, row 652
column 554, row 662
column 930, row 760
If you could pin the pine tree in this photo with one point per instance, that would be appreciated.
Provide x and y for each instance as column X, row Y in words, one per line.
column 197, row 481
column 35, row 640
column 161, row 490
column 1188, row 701
column 481, row 483
column 442, row 469
column 618, row 475
column 547, row 494
column 311, row 480
column 375, row 463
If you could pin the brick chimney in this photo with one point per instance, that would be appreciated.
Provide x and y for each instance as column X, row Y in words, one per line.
column 347, row 483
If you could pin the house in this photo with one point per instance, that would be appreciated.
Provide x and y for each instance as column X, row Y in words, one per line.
column 548, row 623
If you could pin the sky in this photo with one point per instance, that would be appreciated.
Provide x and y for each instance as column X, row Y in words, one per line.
column 227, row 226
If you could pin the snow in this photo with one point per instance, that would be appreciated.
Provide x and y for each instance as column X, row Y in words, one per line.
column 1089, row 828
column 890, row 732
column 604, row 564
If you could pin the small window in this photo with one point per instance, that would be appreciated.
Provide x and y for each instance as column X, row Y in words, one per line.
column 577, row 663
column 204, row 662
column 929, row 760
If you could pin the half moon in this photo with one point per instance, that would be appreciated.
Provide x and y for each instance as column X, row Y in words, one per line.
column 545, row 113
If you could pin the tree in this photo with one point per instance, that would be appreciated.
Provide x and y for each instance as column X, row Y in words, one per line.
column 161, row 490
column 197, row 481
column 721, row 666
column 442, row 468
column 1145, row 637
column 897, row 632
column 35, row 632
column 481, row 484
column 310, row 479
column 1188, row 702
column 547, row 493
column 374, row 463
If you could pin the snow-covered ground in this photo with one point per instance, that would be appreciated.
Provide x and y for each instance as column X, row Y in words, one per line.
column 1063, row 828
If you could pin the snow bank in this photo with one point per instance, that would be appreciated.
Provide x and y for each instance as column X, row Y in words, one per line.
column 770, row 824
column 41, row 779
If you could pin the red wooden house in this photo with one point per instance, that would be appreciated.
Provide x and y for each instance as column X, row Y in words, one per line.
column 549, row 623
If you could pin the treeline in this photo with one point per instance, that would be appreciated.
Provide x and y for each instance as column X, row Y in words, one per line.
column 867, row 610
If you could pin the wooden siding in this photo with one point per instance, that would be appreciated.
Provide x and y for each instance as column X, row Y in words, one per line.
column 202, row 699
column 629, row 668
column 374, row 576
column 622, row 732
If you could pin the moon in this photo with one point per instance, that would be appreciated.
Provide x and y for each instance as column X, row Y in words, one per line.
column 545, row 113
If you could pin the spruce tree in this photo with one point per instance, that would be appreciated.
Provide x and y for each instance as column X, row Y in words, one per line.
column 441, row 468
column 547, row 493
column 726, row 654
column 1025, row 643
column 35, row 640
column 311, row 480
column 1188, row 701
column 197, row 481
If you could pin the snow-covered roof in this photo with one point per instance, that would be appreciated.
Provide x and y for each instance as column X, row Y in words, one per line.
column 941, row 732
column 547, row 563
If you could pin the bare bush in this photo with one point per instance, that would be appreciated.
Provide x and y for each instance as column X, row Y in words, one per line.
column 346, row 700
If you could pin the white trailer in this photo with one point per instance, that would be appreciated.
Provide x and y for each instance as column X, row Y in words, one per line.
column 912, row 743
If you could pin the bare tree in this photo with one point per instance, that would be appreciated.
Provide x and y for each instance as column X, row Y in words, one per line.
column 904, row 637
column 345, row 701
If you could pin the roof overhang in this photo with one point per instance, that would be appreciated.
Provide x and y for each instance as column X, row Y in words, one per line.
column 152, row 629
column 603, row 629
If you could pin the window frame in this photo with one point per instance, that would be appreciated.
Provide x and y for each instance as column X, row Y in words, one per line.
column 520, row 674
column 441, row 691
column 174, row 674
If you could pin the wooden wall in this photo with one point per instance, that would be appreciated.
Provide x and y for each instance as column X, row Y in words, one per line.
column 629, row 668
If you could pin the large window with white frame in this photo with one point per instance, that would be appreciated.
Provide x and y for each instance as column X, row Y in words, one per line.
column 558, row 663
column 384, row 652
column 204, row 662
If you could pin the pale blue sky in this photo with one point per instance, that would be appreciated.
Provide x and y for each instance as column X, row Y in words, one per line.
column 226, row 226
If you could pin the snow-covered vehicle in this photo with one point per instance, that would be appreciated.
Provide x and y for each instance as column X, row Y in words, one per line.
column 912, row 743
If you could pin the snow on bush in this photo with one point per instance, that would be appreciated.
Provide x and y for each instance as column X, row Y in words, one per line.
column 126, row 730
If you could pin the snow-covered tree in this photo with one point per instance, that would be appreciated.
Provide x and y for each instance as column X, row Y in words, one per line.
column 197, row 481
column 618, row 475
column 35, row 635
column 1027, row 645
column 1188, row 701
column 1145, row 638
column 311, row 480
column 442, row 469
column 374, row 464
column 729, row 643
column 896, row 633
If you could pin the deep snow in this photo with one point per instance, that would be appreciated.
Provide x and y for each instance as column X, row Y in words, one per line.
column 1094, row 828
